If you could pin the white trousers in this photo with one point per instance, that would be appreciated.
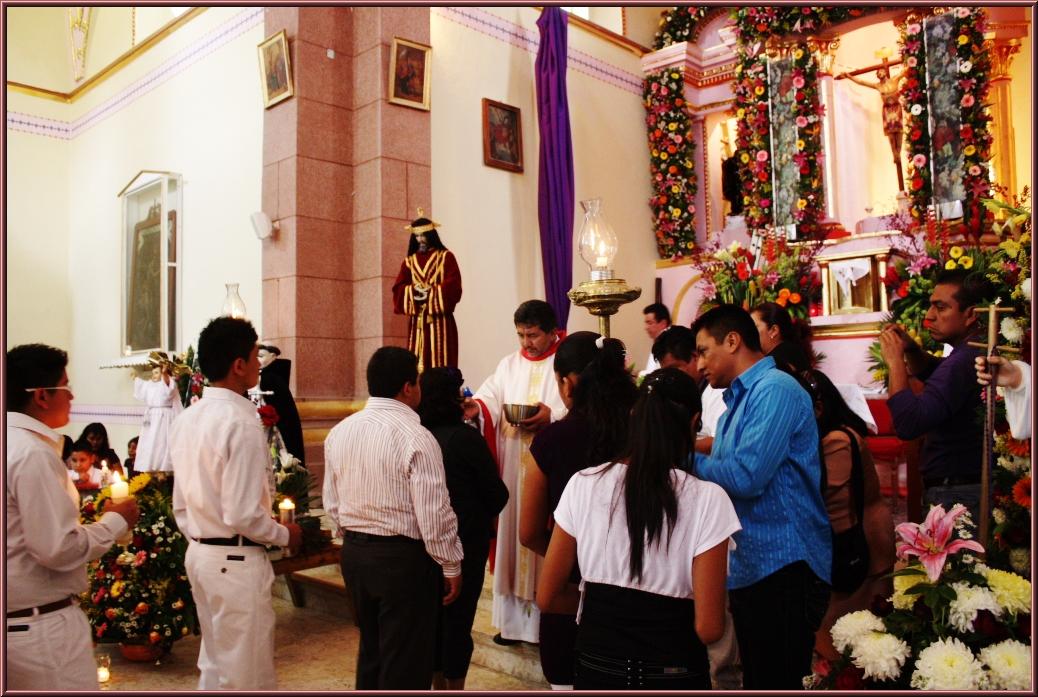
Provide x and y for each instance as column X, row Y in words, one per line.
column 232, row 591
column 55, row 652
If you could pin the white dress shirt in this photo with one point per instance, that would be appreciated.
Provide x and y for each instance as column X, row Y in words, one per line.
column 384, row 476
column 47, row 547
column 221, row 485
column 713, row 407
column 1018, row 404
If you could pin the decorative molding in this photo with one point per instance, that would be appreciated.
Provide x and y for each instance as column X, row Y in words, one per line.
column 106, row 413
column 529, row 40
column 1002, row 52
column 113, row 67
column 706, row 178
column 176, row 64
column 78, row 29
column 712, row 106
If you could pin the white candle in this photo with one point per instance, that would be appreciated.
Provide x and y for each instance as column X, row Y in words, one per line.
column 120, row 489
column 103, row 674
column 287, row 509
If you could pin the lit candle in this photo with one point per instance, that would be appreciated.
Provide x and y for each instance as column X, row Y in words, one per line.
column 287, row 509
column 120, row 489
column 103, row 674
column 601, row 261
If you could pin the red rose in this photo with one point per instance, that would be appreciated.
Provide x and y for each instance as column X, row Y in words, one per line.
column 850, row 678
column 762, row 175
column 917, row 184
column 268, row 415
column 742, row 271
column 916, row 134
column 902, row 290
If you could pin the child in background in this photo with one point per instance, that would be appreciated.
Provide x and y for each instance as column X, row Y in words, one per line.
column 85, row 476
column 131, row 450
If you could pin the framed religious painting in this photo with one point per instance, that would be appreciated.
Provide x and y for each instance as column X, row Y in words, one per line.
column 410, row 74
column 502, row 136
column 275, row 69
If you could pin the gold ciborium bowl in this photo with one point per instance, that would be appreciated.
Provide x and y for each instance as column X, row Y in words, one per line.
column 514, row 413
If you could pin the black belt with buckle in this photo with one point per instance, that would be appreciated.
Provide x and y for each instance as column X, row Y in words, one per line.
column 950, row 481
column 42, row 609
column 368, row 537
column 236, row 541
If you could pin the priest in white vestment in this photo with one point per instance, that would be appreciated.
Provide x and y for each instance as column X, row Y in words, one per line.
column 524, row 377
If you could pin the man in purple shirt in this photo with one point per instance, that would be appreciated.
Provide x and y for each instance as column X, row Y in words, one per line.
column 946, row 410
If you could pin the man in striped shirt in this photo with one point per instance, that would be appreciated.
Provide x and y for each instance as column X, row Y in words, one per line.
column 386, row 494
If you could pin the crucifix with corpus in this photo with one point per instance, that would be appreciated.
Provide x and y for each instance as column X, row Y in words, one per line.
column 888, row 87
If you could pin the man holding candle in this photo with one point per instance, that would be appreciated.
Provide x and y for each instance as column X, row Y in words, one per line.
column 222, row 493
column 48, row 636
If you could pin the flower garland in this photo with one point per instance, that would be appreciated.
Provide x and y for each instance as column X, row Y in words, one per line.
column 974, row 66
column 672, row 151
column 808, row 113
column 1011, row 498
column 678, row 24
column 140, row 593
column 753, row 138
column 952, row 623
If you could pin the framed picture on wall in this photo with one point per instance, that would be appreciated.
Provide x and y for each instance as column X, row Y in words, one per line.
column 275, row 69
column 410, row 74
column 502, row 136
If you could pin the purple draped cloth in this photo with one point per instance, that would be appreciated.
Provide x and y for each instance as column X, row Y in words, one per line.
column 555, row 178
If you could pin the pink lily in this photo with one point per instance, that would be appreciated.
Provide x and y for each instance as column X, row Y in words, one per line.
column 930, row 541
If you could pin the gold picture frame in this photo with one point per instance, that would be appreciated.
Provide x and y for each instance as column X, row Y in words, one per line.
column 275, row 69
column 410, row 74
column 502, row 136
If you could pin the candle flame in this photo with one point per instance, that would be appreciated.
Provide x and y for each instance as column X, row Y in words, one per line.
column 116, row 477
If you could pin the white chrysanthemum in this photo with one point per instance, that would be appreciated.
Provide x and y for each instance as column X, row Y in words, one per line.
column 880, row 655
column 1009, row 665
column 1020, row 560
column 917, row 109
column 1011, row 330
column 947, row 664
column 852, row 626
column 969, row 600
column 1025, row 289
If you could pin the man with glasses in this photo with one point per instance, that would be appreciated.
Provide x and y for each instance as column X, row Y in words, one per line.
column 48, row 637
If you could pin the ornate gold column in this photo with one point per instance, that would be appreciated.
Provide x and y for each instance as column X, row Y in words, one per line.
column 1003, row 155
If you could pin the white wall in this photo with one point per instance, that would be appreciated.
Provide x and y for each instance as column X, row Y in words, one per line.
column 204, row 122
column 489, row 216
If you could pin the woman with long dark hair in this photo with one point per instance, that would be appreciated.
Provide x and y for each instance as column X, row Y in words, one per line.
column 785, row 339
column 477, row 496
column 97, row 436
column 652, row 543
column 598, row 392
column 837, row 426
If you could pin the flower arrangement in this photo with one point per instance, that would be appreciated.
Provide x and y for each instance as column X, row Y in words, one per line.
column 290, row 479
column 785, row 276
column 966, row 48
column 952, row 623
column 139, row 592
column 190, row 380
column 1011, row 505
column 671, row 164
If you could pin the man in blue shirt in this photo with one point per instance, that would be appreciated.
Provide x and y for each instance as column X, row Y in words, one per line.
column 946, row 410
column 765, row 455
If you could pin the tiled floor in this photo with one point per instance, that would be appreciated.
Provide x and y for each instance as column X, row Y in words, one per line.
column 315, row 651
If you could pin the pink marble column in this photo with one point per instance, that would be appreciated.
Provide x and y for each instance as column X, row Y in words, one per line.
column 343, row 172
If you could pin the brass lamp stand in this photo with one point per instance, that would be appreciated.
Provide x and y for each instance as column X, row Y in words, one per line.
column 603, row 298
column 603, row 295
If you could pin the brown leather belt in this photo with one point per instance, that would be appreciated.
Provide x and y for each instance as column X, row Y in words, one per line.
column 42, row 609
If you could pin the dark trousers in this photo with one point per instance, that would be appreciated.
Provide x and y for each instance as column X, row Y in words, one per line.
column 597, row 672
column 454, row 640
column 397, row 591
column 775, row 623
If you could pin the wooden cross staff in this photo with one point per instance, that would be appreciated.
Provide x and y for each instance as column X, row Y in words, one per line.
column 991, row 348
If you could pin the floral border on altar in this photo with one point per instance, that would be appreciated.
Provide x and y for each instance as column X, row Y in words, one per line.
column 974, row 67
column 679, row 24
column 671, row 163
